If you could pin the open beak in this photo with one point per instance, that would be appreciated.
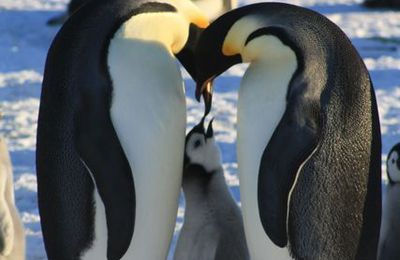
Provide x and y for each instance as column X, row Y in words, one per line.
column 205, row 89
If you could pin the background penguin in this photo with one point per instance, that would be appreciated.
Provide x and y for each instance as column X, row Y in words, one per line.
column 390, row 233
column 111, row 129
column 309, row 146
column 12, row 236
column 382, row 3
column 213, row 226
column 212, row 8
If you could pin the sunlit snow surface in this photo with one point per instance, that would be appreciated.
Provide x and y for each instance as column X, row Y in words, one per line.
column 25, row 38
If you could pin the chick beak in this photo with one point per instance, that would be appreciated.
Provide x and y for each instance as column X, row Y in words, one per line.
column 205, row 89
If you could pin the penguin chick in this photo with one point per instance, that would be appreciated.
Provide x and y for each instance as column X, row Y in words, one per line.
column 390, row 234
column 213, row 226
column 12, row 238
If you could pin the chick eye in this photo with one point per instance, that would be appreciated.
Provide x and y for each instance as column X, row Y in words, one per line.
column 197, row 143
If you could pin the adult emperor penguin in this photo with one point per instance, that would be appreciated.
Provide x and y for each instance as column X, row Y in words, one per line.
column 111, row 129
column 390, row 234
column 309, row 144
column 12, row 236
column 212, row 8
column 213, row 225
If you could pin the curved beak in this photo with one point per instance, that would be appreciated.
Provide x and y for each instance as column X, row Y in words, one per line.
column 205, row 89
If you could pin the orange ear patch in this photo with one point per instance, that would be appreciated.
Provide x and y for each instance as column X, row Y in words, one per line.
column 201, row 21
column 228, row 50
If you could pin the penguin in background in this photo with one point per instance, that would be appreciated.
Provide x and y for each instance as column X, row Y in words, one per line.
column 111, row 129
column 12, row 235
column 212, row 8
column 213, row 225
column 382, row 4
column 390, row 233
column 309, row 143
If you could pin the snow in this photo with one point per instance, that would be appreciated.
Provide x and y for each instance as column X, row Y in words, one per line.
column 25, row 39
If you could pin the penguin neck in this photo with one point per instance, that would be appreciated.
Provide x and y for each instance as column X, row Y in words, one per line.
column 205, row 195
column 261, row 105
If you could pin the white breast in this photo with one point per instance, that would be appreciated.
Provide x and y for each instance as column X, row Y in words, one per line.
column 262, row 102
column 149, row 114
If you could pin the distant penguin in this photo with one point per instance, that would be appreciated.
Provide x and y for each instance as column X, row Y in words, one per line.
column 309, row 143
column 12, row 236
column 390, row 233
column 212, row 8
column 213, row 225
column 111, row 129
column 382, row 3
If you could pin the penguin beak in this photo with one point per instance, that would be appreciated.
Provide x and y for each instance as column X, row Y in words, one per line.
column 205, row 89
column 210, row 131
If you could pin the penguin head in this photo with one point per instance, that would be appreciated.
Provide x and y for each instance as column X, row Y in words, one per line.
column 210, row 59
column 241, row 35
column 174, row 24
column 201, row 150
column 393, row 164
column 197, row 21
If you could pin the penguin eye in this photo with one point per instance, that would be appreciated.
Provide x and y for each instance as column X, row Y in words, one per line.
column 393, row 161
column 197, row 143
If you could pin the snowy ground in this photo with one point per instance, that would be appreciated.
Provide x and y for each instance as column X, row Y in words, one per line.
column 25, row 38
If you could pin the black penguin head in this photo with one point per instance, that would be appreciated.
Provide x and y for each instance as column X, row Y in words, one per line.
column 230, row 40
column 198, row 21
column 186, row 55
column 209, row 58
column 201, row 149
column 393, row 164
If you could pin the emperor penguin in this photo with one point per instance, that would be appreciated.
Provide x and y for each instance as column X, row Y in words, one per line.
column 390, row 234
column 213, row 225
column 308, row 134
column 111, row 129
column 212, row 8
column 12, row 235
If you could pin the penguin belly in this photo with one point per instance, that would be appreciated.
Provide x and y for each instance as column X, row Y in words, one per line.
column 261, row 105
column 148, row 112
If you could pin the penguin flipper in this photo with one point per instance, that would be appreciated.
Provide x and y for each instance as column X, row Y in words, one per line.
column 292, row 143
column 100, row 149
